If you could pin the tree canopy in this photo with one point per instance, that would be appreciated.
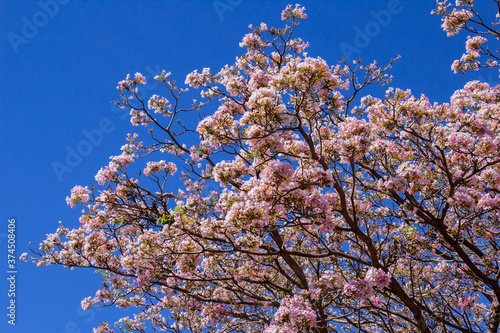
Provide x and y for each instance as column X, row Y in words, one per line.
column 307, row 205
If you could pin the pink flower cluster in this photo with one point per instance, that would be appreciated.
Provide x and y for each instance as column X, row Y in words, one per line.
column 103, row 328
column 153, row 167
column 129, row 82
column 234, row 84
column 466, row 303
column 224, row 170
column 159, row 104
column 474, row 44
column 79, row 194
column 139, row 118
column 363, row 289
column 259, row 79
column 298, row 45
column 378, row 278
column 253, row 40
column 221, row 124
column 195, row 79
column 352, row 139
column 290, row 13
column 107, row 174
column 162, row 76
column 469, row 60
column 359, row 290
column 454, row 21
column 263, row 98
column 123, row 159
column 294, row 314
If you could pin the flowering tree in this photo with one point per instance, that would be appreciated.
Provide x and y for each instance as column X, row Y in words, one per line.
column 329, row 214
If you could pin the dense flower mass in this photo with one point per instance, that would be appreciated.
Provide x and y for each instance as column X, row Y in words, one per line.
column 293, row 315
column 299, row 209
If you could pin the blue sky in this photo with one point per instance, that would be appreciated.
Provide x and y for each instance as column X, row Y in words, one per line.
column 61, row 61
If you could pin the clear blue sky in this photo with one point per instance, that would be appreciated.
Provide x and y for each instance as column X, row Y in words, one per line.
column 59, row 68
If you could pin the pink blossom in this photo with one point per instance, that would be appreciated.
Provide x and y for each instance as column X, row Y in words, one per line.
column 455, row 21
column 124, row 159
column 79, row 194
column 105, row 175
column 103, row 328
column 359, row 290
column 159, row 105
column 154, row 167
column 474, row 43
column 290, row 13
column 376, row 301
column 139, row 78
column 294, row 312
column 195, row 79
column 252, row 40
column 378, row 278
